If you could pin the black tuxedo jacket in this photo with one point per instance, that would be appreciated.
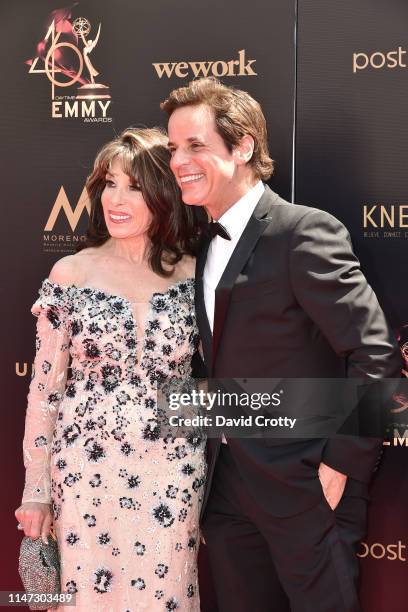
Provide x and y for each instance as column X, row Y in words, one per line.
column 293, row 302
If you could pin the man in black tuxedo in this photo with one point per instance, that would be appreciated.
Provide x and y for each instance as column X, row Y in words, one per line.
column 279, row 293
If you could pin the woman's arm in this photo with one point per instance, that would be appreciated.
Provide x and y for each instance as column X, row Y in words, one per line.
column 46, row 390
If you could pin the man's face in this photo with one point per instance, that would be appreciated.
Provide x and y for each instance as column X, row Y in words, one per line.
column 204, row 168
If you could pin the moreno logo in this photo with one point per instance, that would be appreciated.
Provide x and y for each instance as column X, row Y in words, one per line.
column 72, row 214
column 217, row 68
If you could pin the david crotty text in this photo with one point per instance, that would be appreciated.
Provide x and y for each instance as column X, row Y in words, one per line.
column 222, row 421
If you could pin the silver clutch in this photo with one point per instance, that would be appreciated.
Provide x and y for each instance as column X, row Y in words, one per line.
column 39, row 569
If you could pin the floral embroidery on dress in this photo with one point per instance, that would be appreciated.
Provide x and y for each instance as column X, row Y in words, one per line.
column 125, row 497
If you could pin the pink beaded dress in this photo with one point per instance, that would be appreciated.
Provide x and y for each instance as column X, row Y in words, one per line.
column 125, row 497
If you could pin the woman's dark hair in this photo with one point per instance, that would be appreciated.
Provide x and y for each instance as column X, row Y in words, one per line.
column 145, row 158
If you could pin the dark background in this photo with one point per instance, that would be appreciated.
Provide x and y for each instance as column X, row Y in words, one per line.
column 350, row 149
column 39, row 154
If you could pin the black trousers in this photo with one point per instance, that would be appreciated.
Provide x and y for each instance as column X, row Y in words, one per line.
column 261, row 563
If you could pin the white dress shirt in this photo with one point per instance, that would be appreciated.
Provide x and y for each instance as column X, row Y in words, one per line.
column 220, row 250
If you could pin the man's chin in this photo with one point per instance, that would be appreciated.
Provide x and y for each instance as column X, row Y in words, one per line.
column 191, row 202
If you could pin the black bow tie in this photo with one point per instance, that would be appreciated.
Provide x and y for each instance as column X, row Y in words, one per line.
column 216, row 229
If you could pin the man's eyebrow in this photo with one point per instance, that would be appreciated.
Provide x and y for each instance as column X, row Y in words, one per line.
column 190, row 139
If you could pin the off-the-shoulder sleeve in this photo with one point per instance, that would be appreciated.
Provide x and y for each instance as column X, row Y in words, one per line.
column 46, row 388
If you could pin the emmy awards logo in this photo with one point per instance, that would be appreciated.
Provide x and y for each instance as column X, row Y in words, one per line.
column 92, row 90
column 66, row 53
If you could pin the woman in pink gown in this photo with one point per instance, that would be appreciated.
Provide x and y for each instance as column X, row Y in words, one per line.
column 116, row 325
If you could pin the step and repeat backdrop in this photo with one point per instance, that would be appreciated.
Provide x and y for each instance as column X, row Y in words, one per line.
column 351, row 156
column 128, row 56
column 331, row 82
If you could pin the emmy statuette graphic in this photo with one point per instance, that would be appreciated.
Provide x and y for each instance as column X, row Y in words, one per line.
column 90, row 91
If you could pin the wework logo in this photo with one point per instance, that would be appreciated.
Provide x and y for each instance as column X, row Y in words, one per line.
column 219, row 68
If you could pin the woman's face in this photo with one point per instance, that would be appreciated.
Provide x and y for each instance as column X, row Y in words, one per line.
column 126, row 213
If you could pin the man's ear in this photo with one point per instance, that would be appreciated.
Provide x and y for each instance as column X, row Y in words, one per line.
column 244, row 150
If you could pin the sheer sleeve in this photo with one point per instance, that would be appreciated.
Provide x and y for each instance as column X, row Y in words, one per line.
column 46, row 390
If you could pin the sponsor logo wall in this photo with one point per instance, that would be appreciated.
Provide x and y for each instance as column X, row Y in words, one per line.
column 351, row 151
column 74, row 77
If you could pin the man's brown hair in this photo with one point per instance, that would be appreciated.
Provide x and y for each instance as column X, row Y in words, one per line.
column 236, row 114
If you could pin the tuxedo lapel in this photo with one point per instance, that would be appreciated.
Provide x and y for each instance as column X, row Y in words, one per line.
column 202, row 319
column 246, row 244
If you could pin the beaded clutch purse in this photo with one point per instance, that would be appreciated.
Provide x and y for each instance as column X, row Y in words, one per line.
column 39, row 569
